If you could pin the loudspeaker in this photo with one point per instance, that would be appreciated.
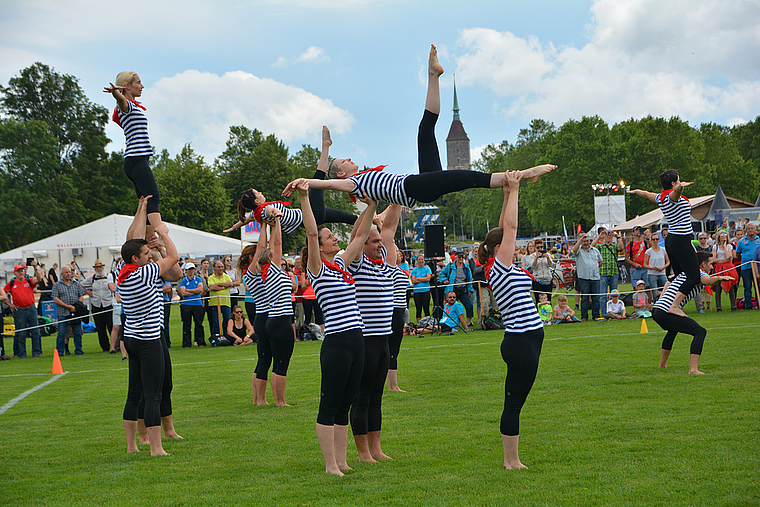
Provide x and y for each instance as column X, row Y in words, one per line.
column 433, row 241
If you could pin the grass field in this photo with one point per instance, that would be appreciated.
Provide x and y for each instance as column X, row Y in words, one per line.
column 602, row 426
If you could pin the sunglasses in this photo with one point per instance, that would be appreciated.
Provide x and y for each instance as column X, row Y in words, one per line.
column 238, row 311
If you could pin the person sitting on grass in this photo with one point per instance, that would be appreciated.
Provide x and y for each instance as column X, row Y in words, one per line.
column 453, row 317
column 239, row 329
column 563, row 313
column 642, row 308
column 545, row 309
column 615, row 307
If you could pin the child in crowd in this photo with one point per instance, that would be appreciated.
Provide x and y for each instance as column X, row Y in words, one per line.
column 563, row 313
column 544, row 309
column 642, row 308
column 615, row 307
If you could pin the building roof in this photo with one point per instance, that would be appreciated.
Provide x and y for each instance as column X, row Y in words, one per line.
column 456, row 132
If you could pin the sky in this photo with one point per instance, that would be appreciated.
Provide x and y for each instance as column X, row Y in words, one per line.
column 287, row 67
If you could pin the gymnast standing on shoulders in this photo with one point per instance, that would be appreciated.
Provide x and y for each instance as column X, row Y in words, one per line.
column 524, row 332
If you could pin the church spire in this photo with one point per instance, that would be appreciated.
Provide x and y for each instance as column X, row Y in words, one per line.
column 456, row 102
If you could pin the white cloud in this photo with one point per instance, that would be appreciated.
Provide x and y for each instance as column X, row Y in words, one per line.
column 312, row 55
column 644, row 57
column 475, row 152
column 199, row 107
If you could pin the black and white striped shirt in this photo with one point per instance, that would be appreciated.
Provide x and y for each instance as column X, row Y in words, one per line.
column 669, row 295
column 382, row 186
column 290, row 220
column 511, row 289
column 135, row 125
column 400, row 283
column 678, row 214
column 374, row 294
column 143, row 303
column 256, row 288
column 336, row 298
column 277, row 289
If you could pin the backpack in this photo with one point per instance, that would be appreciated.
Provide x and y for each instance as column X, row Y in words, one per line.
column 491, row 322
column 305, row 334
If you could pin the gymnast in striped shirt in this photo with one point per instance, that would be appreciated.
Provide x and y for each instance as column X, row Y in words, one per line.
column 291, row 219
column 524, row 333
column 675, row 324
column 677, row 211
column 341, row 356
column 431, row 182
column 130, row 117
column 249, row 266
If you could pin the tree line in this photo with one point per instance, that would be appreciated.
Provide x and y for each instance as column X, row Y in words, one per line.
column 55, row 172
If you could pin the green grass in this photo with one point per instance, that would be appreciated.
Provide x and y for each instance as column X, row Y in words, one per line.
column 602, row 426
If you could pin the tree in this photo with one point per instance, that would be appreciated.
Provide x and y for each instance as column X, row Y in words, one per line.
column 190, row 192
column 738, row 177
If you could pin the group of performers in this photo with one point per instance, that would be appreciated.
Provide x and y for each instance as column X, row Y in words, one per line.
column 360, row 289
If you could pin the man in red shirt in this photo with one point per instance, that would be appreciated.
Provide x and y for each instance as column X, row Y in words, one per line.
column 20, row 291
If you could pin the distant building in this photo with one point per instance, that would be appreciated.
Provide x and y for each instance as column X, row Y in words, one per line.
column 457, row 142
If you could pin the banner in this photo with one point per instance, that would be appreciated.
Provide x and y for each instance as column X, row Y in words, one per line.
column 250, row 232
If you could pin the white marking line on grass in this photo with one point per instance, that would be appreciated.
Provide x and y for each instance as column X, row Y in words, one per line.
column 442, row 345
column 21, row 396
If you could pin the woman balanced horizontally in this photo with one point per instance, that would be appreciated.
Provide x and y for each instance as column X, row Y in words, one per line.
column 524, row 332
column 342, row 353
column 431, row 182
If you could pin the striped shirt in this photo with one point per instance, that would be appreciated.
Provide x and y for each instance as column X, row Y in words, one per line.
column 669, row 295
column 135, row 125
column 277, row 289
column 336, row 298
column 374, row 294
column 678, row 214
column 142, row 303
column 400, row 283
column 255, row 286
column 382, row 186
column 290, row 220
column 511, row 289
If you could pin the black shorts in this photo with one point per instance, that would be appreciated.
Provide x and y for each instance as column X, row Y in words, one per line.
column 138, row 171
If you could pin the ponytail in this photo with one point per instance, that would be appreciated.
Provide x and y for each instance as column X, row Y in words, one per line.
column 247, row 202
column 487, row 248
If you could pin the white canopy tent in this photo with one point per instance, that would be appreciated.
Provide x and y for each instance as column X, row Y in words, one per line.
column 102, row 239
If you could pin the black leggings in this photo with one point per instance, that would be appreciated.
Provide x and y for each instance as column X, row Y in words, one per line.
column 397, row 334
column 675, row 324
column 139, row 173
column 263, row 346
column 150, row 381
column 422, row 302
column 308, row 306
column 341, row 359
column 683, row 259
column 432, row 182
column 280, row 332
column 326, row 215
column 520, row 351
column 366, row 412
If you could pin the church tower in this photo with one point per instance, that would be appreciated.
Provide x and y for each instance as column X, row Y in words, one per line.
column 457, row 142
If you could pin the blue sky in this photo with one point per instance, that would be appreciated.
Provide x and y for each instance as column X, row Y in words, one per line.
column 287, row 67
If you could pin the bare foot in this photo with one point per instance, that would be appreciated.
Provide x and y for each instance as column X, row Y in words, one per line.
column 367, row 459
column 514, row 466
column 344, row 467
column 265, row 402
column 130, row 451
column 144, row 441
column 160, row 453
column 174, row 436
column 380, row 455
column 663, row 366
column 335, row 472
column 534, row 173
column 396, row 389
column 696, row 372
column 283, row 404
column 434, row 68
column 677, row 311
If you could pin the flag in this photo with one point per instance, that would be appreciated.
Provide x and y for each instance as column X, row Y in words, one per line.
column 564, row 228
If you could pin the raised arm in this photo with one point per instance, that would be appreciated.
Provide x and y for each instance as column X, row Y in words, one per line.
column 169, row 262
column 275, row 243
column 310, row 224
column 643, row 193
column 338, row 185
column 121, row 100
column 261, row 245
column 678, row 190
column 360, row 233
column 137, row 228
column 388, row 231
column 508, row 220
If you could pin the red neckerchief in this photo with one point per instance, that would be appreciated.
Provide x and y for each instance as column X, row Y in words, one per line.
column 115, row 116
column 260, row 209
column 665, row 193
column 404, row 271
column 489, row 265
column 376, row 262
column 378, row 168
column 127, row 270
column 346, row 275
column 264, row 271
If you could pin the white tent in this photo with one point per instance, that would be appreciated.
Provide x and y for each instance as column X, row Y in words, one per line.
column 102, row 239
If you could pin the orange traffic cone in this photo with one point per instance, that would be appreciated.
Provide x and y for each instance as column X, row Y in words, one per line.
column 644, row 326
column 57, row 369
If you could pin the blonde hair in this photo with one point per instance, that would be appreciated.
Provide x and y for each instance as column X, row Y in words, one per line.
column 125, row 77
column 562, row 298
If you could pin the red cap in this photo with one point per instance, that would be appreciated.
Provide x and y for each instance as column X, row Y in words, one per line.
column 20, row 266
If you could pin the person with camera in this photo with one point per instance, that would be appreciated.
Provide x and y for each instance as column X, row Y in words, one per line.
column 458, row 278
column 609, row 243
column 540, row 262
